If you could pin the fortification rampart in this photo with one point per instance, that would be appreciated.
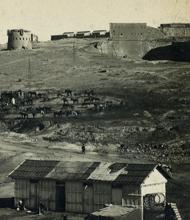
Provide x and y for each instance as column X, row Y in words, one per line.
column 134, row 40
column 19, row 39
column 175, row 30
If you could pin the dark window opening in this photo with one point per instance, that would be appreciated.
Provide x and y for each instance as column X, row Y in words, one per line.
column 34, row 181
column 87, row 184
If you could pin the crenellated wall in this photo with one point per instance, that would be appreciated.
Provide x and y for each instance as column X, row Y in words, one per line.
column 19, row 39
column 175, row 30
column 134, row 32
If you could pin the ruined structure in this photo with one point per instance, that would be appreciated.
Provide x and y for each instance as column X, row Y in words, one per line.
column 20, row 39
column 135, row 40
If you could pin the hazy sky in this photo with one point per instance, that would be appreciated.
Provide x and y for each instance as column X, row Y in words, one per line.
column 48, row 17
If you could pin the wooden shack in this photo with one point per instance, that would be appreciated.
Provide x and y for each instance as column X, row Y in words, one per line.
column 83, row 34
column 85, row 187
column 99, row 33
column 57, row 37
column 68, row 34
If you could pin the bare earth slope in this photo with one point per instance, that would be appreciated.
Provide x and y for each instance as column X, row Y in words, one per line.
column 156, row 97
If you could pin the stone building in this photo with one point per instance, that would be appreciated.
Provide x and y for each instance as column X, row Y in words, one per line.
column 135, row 40
column 19, row 39
column 176, row 30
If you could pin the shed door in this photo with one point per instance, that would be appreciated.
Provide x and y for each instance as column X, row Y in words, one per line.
column 33, row 195
column 116, row 196
column 60, row 197
column 88, row 199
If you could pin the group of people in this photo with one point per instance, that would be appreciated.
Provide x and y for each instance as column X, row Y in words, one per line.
column 42, row 208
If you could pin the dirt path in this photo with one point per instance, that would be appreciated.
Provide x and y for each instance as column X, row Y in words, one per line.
column 12, row 62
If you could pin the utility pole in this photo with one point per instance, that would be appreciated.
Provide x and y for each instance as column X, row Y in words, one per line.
column 74, row 54
column 29, row 73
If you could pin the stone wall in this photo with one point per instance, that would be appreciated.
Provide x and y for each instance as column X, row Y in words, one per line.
column 19, row 39
column 176, row 30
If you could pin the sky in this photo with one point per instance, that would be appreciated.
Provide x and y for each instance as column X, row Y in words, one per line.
column 48, row 17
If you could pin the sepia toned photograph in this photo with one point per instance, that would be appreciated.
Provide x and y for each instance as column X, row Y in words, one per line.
column 94, row 110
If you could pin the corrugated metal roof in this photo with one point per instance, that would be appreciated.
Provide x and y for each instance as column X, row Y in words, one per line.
column 83, row 32
column 114, row 211
column 136, row 173
column 98, row 31
column 78, row 170
column 33, row 169
column 72, row 170
column 104, row 172
column 68, row 33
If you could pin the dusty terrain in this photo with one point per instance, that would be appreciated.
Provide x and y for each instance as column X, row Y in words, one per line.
column 156, row 97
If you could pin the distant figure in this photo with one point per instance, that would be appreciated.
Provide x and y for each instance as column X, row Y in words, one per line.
column 83, row 148
column 42, row 113
column 13, row 101
column 122, row 147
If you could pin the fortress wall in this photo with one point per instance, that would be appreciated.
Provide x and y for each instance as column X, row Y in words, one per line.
column 19, row 39
column 133, row 40
column 131, row 49
column 176, row 32
column 134, row 32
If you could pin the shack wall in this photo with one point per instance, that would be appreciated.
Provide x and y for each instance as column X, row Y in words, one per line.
column 22, row 191
column 116, row 196
column 102, row 195
column 74, row 196
column 154, row 183
column 131, row 195
column 88, row 198
column 47, row 193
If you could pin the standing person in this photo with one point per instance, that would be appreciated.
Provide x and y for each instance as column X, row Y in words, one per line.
column 83, row 148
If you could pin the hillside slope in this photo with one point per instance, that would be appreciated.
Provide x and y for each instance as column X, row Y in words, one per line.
column 156, row 112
